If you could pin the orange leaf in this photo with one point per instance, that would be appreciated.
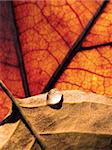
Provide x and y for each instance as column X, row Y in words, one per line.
column 101, row 32
column 37, row 38
column 47, row 30
column 90, row 70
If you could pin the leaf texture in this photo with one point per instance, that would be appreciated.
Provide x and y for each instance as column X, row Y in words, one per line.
column 16, row 136
column 89, row 70
column 5, row 105
column 83, row 122
column 9, row 65
column 39, row 35
column 101, row 31
column 47, row 30
column 15, row 131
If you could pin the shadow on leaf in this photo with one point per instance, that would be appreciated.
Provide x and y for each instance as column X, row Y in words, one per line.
column 13, row 117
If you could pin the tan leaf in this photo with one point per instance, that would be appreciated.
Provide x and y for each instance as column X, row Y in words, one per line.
column 83, row 122
column 16, row 136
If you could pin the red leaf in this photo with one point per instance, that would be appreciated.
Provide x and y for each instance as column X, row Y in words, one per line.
column 47, row 30
column 36, row 37
column 9, row 65
column 5, row 105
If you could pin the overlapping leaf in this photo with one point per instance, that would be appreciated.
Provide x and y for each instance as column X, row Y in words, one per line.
column 5, row 105
column 39, row 34
column 83, row 122
column 16, row 136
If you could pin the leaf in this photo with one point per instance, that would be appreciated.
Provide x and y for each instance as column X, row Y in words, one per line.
column 9, row 64
column 5, row 105
column 83, row 122
column 100, row 34
column 42, row 38
column 16, row 135
column 89, row 113
column 39, row 37
column 16, row 127
column 84, row 74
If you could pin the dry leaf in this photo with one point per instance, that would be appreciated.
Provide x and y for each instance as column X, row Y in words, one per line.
column 16, row 136
column 84, row 122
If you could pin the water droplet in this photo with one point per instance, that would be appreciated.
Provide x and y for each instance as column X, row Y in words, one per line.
column 54, row 97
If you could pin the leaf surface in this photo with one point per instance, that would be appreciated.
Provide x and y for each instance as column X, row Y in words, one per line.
column 101, row 31
column 46, row 31
column 38, row 37
column 5, row 105
column 90, row 127
column 16, row 136
column 83, row 122
column 9, row 65
column 90, row 70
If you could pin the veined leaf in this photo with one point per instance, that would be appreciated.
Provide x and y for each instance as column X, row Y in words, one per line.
column 40, row 44
column 16, row 136
column 83, row 122
column 42, row 38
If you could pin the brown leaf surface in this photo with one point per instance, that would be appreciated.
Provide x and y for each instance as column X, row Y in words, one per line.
column 16, row 136
column 84, row 121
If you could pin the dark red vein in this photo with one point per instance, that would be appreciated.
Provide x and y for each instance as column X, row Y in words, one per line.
column 66, row 42
column 96, row 46
column 19, row 52
column 8, row 64
column 75, row 48
column 91, row 72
